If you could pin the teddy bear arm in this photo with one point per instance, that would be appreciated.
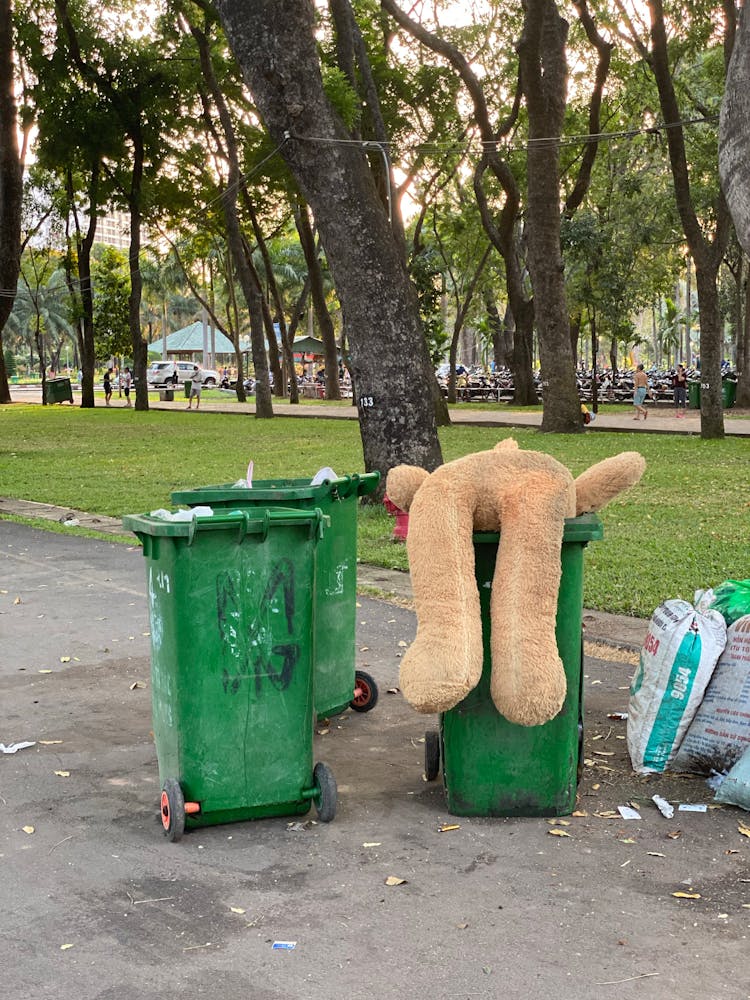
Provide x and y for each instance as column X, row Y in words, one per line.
column 528, row 684
column 604, row 481
column 402, row 483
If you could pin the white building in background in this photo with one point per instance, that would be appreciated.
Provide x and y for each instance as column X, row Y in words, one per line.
column 113, row 229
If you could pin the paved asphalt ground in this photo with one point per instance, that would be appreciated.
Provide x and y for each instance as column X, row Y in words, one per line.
column 97, row 905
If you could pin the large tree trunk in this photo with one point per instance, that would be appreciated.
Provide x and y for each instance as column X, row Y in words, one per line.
column 734, row 133
column 706, row 255
column 544, row 78
column 11, row 185
column 275, row 45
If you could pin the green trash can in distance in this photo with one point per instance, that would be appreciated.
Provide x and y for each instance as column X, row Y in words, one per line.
column 694, row 395
column 231, row 606
column 58, row 390
column 728, row 393
column 188, row 387
column 337, row 683
column 492, row 767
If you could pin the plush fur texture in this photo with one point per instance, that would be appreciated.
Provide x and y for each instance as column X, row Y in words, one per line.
column 526, row 495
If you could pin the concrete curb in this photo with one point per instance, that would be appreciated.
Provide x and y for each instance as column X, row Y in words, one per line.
column 618, row 631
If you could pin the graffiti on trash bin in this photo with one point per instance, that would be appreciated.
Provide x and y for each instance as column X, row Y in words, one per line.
column 249, row 629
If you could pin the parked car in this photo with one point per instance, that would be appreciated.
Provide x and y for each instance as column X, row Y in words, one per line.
column 163, row 374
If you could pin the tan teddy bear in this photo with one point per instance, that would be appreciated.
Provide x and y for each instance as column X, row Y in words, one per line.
column 525, row 495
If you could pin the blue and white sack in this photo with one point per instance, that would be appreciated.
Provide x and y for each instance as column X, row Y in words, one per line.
column 678, row 658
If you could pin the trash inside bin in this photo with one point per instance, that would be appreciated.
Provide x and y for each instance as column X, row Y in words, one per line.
column 231, row 607
column 336, row 681
column 492, row 767
column 58, row 390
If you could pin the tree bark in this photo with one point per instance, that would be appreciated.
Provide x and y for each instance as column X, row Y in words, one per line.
column 85, row 289
column 317, row 293
column 734, row 133
column 544, row 77
column 706, row 255
column 275, row 45
column 11, row 185
column 743, row 355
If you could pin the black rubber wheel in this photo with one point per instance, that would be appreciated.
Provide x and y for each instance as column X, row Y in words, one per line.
column 172, row 810
column 431, row 754
column 367, row 698
column 326, row 795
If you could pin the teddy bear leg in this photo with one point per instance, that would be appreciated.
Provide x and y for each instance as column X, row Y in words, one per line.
column 528, row 683
column 444, row 662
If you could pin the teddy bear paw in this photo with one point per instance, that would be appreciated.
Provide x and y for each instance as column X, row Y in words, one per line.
column 430, row 687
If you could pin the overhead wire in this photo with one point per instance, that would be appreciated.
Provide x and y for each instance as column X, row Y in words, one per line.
column 525, row 146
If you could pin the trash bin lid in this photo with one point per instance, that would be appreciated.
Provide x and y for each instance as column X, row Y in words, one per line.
column 245, row 522
column 280, row 489
column 586, row 528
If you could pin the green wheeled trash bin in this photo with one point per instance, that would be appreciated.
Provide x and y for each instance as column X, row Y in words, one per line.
column 337, row 683
column 728, row 393
column 58, row 390
column 694, row 395
column 231, row 603
column 492, row 767
column 188, row 387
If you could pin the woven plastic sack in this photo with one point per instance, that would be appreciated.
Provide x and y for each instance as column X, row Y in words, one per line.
column 677, row 660
column 735, row 788
column 720, row 732
column 732, row 600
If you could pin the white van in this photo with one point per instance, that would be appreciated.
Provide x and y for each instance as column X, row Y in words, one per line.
column 172, row 373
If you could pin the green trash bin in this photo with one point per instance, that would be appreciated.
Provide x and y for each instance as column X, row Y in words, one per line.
column 728, row 393
column 694, row 395
column 492, row 767
column 58, row 390
column 231, row 608
column 188, row 387
column 337, row 684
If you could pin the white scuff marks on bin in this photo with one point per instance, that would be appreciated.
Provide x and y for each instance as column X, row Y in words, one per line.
column 335, row 584
column 161, row 581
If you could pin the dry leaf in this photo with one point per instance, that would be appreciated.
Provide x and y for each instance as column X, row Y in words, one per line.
column 236, row 909
column 744, row 830
column 687, row 895
column 363, row 649
column 49, row 743
column 745, row 906
column 674, row 835
column 63, row 774
column 372, row 843
column 559, row 822
column 136, row 684
column 322, row 732
column 393, row 691
column 27, row 829
column 579, row 812
column 558, row 833
column 655, row 854
column 45, row 671
column 605, row 753
column 462, row 927
column 64, row 947
column 403, row 644
column 64, row 659
column 393, row 880
column 446, row 827
column 627, row 840
column 17, row 600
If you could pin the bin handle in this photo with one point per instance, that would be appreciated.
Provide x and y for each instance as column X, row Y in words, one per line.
column 192, row 525
column 345, row 487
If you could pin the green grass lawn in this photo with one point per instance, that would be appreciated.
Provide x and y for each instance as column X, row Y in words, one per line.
column 687, row 525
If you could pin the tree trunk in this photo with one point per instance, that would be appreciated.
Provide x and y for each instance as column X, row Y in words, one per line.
column 317, row 293
column 276, row 47
column 706, row 255
column 140, row 347
column 249, row 282
column 544, row 78
column 11, row 185
column 743, row 354
column 85, row 288
column 734, row 132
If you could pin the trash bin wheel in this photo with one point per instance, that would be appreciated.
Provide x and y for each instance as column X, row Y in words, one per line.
column 431, row 754
column 365, row 692
column 172, row 810
column 325, row 792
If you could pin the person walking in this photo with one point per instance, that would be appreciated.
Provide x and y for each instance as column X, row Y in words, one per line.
column 196, row 385
column 127, row 381
column 107, row 383
column 640, row 388
column 679, row 384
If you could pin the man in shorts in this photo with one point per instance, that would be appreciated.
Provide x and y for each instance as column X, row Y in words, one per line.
column 196, row 385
